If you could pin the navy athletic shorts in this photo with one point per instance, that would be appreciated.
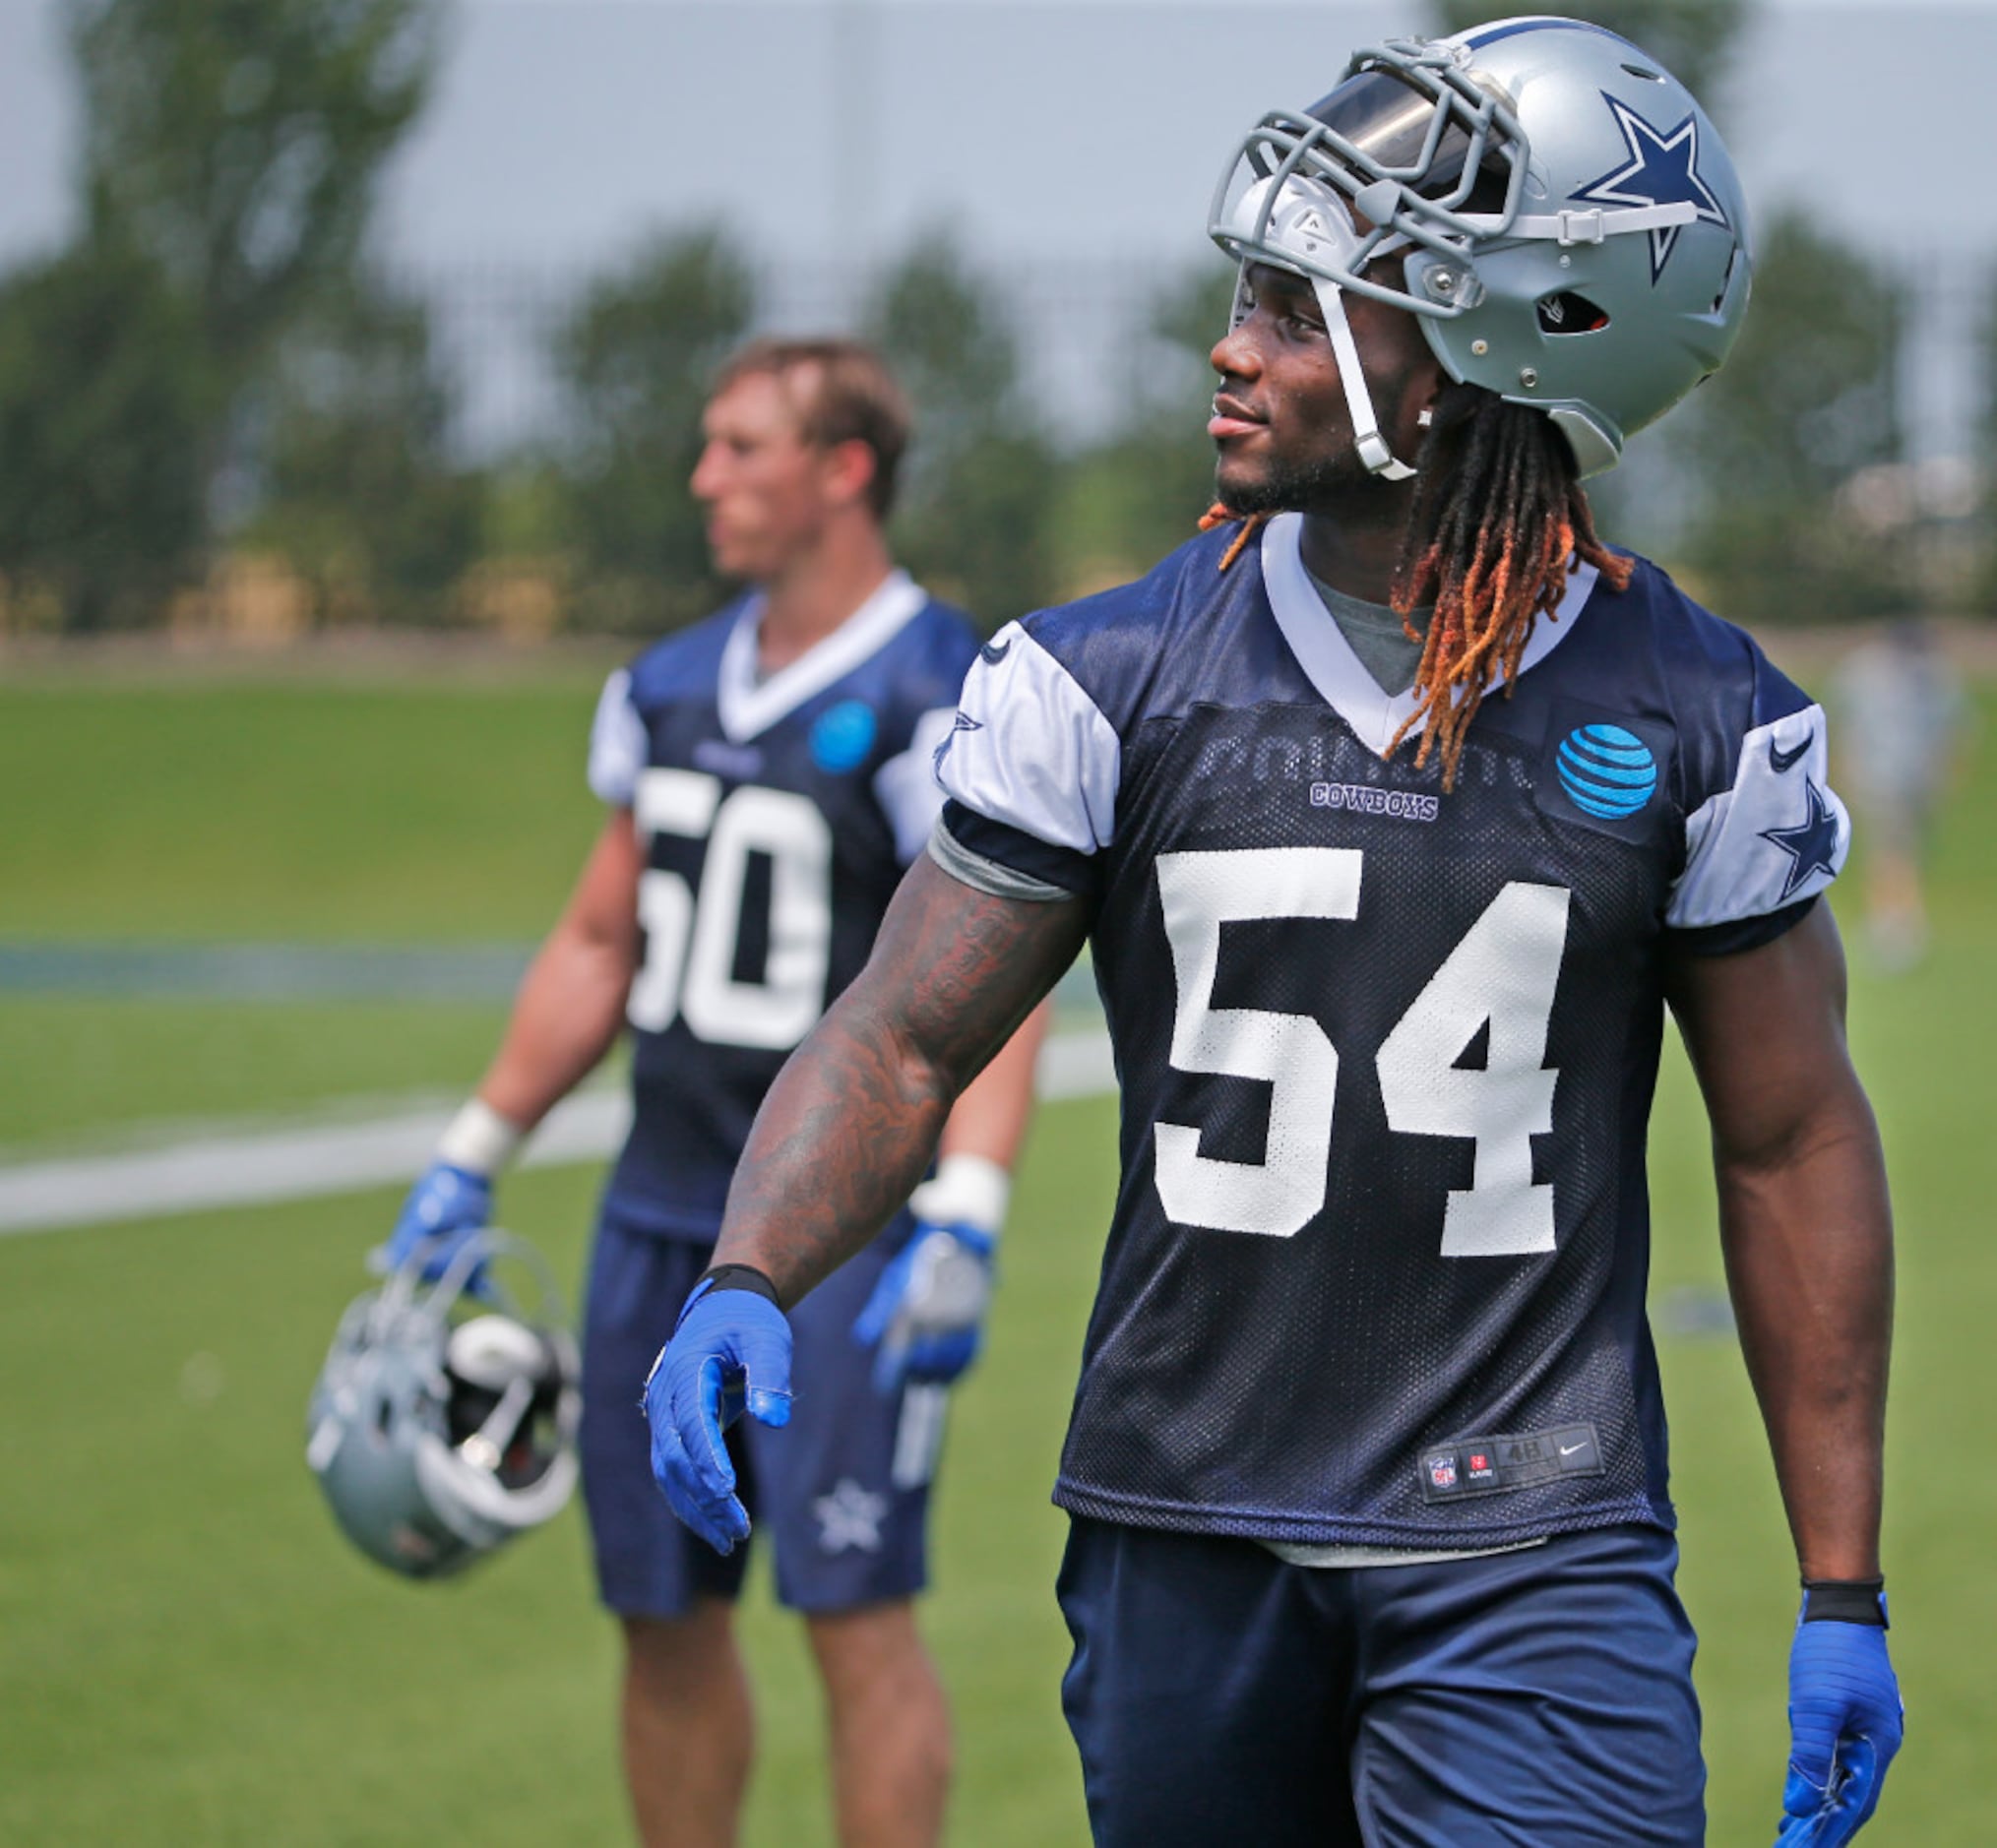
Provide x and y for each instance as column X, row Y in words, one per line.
column 822, row 1488
column 1540, row 1699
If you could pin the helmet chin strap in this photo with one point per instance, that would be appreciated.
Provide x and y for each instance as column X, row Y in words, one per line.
column 1303, row 228
column 1367, row 437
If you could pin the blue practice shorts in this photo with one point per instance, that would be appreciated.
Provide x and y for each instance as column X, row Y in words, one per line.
column 1540, row 1699
column 823, row 1488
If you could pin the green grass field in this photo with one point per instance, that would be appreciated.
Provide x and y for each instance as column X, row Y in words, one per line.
column 190, row 1656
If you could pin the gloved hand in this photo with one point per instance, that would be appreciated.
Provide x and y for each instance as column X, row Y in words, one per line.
column 1846, row 1717
column 928, row 1311
column 730, row 1350
column 447, row 1204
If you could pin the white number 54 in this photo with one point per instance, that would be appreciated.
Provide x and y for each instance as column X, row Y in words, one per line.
column 1503, row 973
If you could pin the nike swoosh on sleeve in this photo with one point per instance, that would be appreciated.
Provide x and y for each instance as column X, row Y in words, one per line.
column 1780, row 760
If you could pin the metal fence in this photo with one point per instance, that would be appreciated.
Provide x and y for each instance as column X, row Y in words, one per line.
column 1086, row 352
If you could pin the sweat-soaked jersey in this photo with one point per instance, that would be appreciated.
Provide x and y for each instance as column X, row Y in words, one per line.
column 1376, row 1272
column 779, row 815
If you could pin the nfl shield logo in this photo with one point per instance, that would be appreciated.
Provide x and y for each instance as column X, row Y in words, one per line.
column 1442, row 1471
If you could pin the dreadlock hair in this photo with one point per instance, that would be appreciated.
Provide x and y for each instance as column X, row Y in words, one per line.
column 1499, row 517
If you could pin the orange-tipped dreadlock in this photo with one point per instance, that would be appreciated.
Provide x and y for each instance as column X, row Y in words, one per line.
column 1498, row 517
column 1217, row 515
column 1504, row 515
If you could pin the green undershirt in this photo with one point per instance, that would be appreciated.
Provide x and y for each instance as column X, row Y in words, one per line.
column 1374, row 633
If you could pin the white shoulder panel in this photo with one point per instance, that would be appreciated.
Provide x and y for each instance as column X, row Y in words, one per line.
column 1031, row 749
column 906, row 788
column 618, row 744
column 1779, row 835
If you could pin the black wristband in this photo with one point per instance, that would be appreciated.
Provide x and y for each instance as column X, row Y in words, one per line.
column 740, row 1278
column 1844, row 1601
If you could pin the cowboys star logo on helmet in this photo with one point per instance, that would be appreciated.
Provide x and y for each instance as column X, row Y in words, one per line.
column 1495, row 185
column 1662, row 169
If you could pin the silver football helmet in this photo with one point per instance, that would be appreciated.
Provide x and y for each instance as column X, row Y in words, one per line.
column 1572, row 231
column 441, row 1426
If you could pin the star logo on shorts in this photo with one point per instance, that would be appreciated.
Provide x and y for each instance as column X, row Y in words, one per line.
column 1812, row 844
column 850, row 1518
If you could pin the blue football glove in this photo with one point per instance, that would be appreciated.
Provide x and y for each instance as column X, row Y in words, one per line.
column 1846, row 1721
column 730, row 1351
column 444, row 1208
column 927, row 1312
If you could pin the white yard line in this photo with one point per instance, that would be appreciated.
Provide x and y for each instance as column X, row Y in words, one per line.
column 306, row 1161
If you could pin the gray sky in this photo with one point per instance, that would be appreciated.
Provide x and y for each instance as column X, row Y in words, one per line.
column 1066, row 129
column 563, row 130
column 564, row 127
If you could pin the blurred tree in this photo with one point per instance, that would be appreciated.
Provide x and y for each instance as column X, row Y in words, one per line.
column 239, row 143
column 1978, row 538
column 1140, row 494
column 104, row 394
column 230, row 155
column 359, row 491
column 1773, row 449
column 1693, row 39
column 636, row 358
column 982, row 480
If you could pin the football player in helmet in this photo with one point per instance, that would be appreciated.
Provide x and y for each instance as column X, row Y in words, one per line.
column 768, row 774
column 439, row 1436
column 1397, row 811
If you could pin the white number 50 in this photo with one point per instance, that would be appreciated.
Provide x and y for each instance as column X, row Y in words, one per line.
column 689, row 944
column 1503, row 972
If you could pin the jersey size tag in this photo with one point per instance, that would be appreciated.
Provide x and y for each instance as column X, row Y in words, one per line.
column 1489, row 1465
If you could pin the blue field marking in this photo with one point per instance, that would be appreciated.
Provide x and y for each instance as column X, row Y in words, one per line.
column 266, row 971
column 291, row 973
column 1606, row 771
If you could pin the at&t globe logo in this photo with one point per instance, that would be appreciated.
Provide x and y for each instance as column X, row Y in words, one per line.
column 843, row 736
column 1606, row 771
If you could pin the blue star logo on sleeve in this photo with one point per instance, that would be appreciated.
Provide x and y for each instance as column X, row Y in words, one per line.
column 1812, row 844
column 1663, row 170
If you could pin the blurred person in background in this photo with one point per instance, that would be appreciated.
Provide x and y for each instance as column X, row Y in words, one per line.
column 769, row 774
column 1397, row 810
column 1901, row 716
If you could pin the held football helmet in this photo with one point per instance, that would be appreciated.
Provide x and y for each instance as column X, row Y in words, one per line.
column 439, row 1436
column 1571, row 231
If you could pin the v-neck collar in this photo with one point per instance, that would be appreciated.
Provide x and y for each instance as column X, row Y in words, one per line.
column 1327, row 657
column 749, row 707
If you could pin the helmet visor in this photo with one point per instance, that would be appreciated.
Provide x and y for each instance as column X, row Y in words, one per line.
column 1425, row 152
column 1398, row 131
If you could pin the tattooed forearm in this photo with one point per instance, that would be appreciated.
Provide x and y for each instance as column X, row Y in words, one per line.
column 850, row 1126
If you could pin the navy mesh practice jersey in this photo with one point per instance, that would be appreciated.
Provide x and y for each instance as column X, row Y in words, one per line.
column 1376, row 1272
column 778, row 817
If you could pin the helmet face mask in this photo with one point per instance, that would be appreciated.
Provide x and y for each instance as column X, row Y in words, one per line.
column 1570, row 230
column 1410, row 144
column 438, row 1438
